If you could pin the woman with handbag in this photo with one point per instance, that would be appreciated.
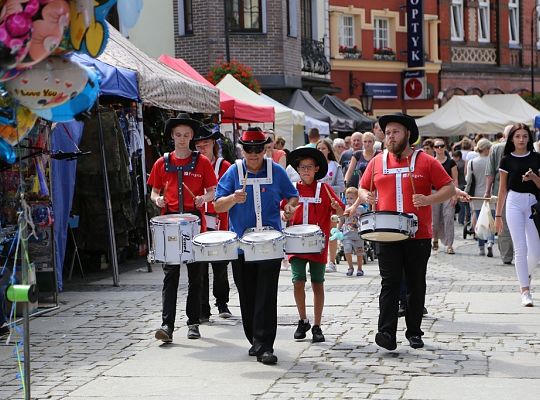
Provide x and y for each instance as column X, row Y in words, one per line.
column 476, row 187
column 518, row 187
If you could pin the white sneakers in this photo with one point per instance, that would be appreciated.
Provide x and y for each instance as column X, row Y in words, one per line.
column 526, row 299
column 331, row 267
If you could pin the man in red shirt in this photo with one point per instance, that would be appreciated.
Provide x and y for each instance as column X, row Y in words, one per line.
column 400, row 179
column 171, row 177
column 322, row 202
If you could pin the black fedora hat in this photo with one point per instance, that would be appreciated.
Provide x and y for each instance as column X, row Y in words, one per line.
column 406, row 120
column 253, row 136
column 300, row 153
column 181, row 119
column 205, row 132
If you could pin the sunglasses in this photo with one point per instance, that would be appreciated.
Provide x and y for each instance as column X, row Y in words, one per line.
column 254, row 149
column 439, row 146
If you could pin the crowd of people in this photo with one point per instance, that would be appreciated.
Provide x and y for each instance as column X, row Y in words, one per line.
column 331, row 184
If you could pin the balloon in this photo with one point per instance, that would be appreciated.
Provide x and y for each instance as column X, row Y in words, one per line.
column 6, row 152
column 23, row 124
column 15, row 31
column 52, row 82
column 9, row 74
column 47, row 32
column 128, row 12
column 80, row 104
column 335, row 233
column 89, row 37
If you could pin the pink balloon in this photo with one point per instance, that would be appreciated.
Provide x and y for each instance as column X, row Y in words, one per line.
column 19, row 25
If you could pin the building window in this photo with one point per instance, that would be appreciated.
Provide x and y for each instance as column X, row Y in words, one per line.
column 307, row 25
column 185, row 17
column 381, row 33
column 346, row 31
column 513, row 21
column 292, row 18
column 245, row 15
column 456, row 20
column 483, row 21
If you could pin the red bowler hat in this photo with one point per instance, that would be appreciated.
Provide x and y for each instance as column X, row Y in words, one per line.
column 253, row 136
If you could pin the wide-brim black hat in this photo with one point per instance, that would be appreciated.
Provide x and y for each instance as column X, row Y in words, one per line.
column 253, row 136
column 205, row 132
column 406, row 120
column 300, row 153
column 181, row 119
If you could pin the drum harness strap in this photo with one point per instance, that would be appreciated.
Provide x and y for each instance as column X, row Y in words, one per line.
column 180, row 171
column 212, row 220
column 306, row 201
column 399, row 175
column 256, row 183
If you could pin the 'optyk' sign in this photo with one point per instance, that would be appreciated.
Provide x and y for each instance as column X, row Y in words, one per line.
column 415, row 36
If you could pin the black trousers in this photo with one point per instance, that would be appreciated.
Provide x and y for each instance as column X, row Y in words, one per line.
column 170, row 292
column 407, row 259
column 257, row 285
column 220, row 286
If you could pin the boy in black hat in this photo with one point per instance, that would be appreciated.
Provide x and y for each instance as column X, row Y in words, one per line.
column 318, row 202
column 170, row 176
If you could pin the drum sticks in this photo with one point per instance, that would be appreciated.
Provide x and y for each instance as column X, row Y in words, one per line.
column 189, row 191
column 244, row 181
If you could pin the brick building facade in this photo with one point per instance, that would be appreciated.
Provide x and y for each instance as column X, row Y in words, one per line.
column 267, row 36
column 487, row 46
column 379, row 32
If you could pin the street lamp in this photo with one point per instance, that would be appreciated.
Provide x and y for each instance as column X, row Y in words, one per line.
column 534, row 22
column 366, row 100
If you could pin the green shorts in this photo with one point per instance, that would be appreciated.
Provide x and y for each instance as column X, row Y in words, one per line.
column 298, row 268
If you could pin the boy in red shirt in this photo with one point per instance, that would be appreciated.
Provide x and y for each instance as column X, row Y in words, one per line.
column 322, row 203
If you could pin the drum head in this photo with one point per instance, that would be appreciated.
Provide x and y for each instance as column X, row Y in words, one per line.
column 175, row 219
column 303, row 229
column 262, row 236
column 384, row 236
column 214, row 237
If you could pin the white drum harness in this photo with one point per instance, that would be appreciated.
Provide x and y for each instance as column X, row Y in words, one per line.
column 306, row 201
column 399, row 175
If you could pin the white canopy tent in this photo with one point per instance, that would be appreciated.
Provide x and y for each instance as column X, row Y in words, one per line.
column 463, row 115
column 514, row 105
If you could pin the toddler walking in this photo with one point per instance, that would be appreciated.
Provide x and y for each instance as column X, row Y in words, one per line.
column 352, row 242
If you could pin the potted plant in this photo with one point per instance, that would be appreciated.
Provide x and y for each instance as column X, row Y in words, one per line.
column 241, row 72
column 384, row 53
column 350, row 52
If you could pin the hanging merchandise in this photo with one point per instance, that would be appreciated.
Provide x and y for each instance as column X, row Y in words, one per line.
column 80, row 104
column 6, row 152
column 89, row 31
column 128, row 12
column 19, row 129
column 50, row 83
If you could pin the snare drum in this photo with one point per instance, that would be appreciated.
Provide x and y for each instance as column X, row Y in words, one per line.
column 215, row 246
column 171, row 238
column 266, row 244
column 387, row 226
column 303, row 239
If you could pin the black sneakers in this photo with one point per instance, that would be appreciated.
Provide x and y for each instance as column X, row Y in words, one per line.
column 384, row 339
column 224, row 311
column 267, row 358
column 318, row 336
column 416, row 342
column 193, row 332
column 165, row 334
column 301, row 330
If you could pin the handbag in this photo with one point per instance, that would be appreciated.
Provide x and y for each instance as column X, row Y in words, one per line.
column 471, row 183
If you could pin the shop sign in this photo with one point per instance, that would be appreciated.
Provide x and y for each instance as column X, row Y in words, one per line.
column 381, row 90
column 415, row 34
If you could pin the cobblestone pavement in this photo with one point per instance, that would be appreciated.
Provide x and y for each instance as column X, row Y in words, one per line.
column 480, row 343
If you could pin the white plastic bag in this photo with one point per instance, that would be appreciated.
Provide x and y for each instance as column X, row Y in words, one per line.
column 485, row 224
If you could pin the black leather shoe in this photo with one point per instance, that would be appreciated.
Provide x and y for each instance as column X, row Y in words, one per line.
column 301, row 329
column 318, row 336
column 416, row 342
column 267, row 358
column 253, row 351
column 165, row 334
column 193, row 332
column 384, row 339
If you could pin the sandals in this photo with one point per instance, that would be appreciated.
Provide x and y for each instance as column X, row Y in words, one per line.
column 450, row 250
column 360, row 273
column 435, row 245
column 350, row 271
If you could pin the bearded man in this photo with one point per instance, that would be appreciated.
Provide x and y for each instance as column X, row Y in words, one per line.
column 401, row 179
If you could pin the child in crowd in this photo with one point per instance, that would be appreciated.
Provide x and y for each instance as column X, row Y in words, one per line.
column 352, row 242
column 317, row 203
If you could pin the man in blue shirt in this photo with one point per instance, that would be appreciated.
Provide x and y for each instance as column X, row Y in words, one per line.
column 257, row 282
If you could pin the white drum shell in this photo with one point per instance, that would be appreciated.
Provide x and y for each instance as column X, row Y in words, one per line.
column 215, row 246
column 303, row 239
column 171, row 238
column 386, row 226
column 266, row 244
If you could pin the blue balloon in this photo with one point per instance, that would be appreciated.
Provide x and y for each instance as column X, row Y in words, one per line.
column 6, row 152
column 79, row 104
column 128, row 12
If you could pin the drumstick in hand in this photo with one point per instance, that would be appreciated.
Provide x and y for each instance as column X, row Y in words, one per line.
column 244, row 185
column 189, row 191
